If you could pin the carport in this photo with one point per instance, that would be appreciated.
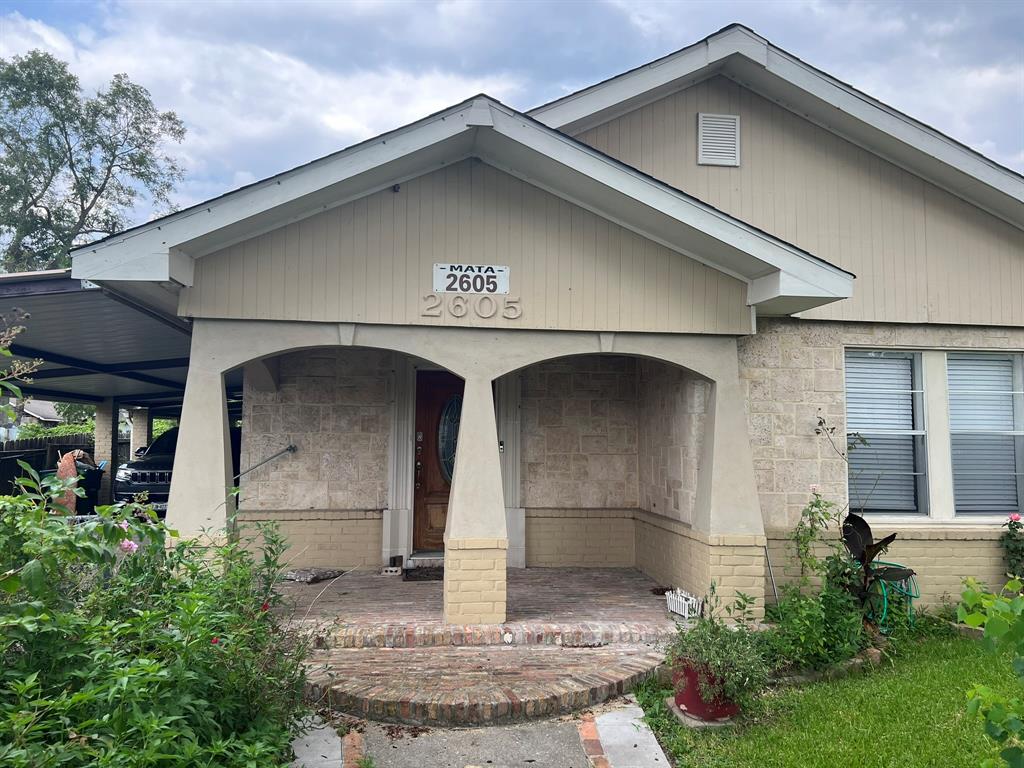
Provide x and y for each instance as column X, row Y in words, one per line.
column 101, row 348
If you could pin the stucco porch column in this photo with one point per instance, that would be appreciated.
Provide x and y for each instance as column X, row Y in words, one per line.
column 199, row 502
column 476, row 538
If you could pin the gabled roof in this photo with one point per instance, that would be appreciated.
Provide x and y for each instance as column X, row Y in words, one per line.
column 160, row 255
column 740, row 54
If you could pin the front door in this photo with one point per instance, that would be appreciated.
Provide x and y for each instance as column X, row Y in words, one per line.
column 438, row 409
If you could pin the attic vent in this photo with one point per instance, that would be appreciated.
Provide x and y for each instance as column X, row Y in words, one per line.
column 718, row 139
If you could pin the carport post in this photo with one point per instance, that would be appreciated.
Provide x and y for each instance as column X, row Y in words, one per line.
column 105, row 445
column 142, row 429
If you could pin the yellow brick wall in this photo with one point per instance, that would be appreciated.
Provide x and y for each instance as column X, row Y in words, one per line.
column 580, row 537
column 323, row 539
column 475, row 575
column 942, row 556
column 671, row 553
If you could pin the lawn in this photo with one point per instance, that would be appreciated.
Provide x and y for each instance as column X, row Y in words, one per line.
column 906, row 714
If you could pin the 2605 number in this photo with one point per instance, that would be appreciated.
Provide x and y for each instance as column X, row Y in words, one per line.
column 483, row 306
column 472, row 283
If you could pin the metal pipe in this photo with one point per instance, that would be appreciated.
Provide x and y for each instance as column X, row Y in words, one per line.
column 771, row 573
column 288, row 449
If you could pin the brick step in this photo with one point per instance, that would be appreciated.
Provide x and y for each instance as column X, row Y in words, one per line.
column 429, row 635
column 473, row 685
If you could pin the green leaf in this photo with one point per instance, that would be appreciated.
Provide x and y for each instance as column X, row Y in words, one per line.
column 1014, row 757
column 33, row 577
column 10, row 582
column 996, row 627
column 1014, row 586
column 974, row 619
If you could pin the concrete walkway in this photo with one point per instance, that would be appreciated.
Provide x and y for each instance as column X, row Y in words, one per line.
column 614, row 736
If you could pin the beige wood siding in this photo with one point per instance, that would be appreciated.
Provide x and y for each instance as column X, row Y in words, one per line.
column 920, row 254
column 371, row 261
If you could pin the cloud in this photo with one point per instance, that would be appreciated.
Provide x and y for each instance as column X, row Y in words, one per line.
column 266, row 86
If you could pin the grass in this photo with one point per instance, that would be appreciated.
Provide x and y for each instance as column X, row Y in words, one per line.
column 906, row 714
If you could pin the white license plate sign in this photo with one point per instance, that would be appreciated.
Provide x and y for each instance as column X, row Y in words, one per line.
column 470, row 278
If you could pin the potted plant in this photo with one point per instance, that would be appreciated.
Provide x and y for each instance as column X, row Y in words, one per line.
column 719, row 664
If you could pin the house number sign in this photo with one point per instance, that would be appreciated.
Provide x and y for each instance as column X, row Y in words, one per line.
column 470, row 278
column 478, row 290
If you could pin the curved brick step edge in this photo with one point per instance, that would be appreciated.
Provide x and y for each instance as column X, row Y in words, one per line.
column 483, row 704
column 585, row 635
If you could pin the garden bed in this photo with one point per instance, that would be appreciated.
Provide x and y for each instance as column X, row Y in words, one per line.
column 911, row 713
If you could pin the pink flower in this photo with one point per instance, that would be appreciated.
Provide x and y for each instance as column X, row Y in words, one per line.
column 128, row 546
column 123, row 525
column 215, row 640
column 815, row 488
column 265, row 607
column 1015, row 517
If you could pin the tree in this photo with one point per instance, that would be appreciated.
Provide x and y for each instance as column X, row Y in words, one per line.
column 75, row 413
column 72, row 167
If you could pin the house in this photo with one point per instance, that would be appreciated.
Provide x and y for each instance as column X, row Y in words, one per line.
column 631, row 327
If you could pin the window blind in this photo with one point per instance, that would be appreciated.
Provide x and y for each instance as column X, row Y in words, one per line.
column 986, row 432
column 884, row 439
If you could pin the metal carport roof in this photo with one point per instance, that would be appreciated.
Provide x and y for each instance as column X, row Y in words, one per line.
column 95, row 343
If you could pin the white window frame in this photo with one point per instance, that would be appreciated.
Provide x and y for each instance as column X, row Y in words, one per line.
column 920, row 430
column 938, row 444
column 1017, row 394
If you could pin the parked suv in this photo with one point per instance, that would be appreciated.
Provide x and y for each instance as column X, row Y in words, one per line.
column 150, row 472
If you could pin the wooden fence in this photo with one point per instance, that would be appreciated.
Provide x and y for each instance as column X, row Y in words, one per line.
column 42, row 453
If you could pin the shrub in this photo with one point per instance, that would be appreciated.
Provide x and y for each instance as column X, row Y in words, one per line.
column 119, row 651
column 26, row 431
column 816, row 623
column 1012, row 540
column 730, row 658
column 813, row 631
column 1002, row 617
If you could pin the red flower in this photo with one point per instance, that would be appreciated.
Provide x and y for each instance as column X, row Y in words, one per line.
column 265, row 607
column 215, row 640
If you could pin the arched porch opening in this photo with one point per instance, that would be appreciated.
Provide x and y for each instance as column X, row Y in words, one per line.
column 601, row 460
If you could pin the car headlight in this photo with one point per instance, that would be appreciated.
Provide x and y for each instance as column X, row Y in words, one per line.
column 124, row 475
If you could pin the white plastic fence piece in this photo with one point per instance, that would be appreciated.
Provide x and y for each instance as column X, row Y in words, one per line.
column 684, row 604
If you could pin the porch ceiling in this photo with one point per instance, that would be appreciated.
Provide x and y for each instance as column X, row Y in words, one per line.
column 94, row 343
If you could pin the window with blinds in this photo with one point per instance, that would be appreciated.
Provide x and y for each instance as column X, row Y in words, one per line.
column 885, row 432
column 986, row 423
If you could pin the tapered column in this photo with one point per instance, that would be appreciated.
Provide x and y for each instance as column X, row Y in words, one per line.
column 200, row 500
column 476, row 538
column 728, row 510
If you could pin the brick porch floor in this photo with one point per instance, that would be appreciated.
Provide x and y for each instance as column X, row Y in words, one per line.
column 574, row 637
column 577, row 606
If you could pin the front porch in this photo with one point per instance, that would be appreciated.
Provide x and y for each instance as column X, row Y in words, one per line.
column 559, row 606
column 574, row 637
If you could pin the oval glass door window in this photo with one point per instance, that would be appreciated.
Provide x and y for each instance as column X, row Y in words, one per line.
column 448, row 435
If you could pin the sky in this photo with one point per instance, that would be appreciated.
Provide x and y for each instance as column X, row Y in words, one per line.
column 265, row 86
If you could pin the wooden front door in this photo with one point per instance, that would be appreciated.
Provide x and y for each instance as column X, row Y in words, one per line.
column 438, row 408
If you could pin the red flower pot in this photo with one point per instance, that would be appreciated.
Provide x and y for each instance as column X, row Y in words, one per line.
column 686, row 681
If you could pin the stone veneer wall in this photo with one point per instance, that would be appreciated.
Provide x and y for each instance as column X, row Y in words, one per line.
column 334, row 405
column 793, row 371
column 672, row 412
column 579, row 444
column 604, row 437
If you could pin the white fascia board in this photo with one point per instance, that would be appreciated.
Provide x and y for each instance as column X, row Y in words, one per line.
column 138, row 253
column 781, row 284
column 766, row 253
